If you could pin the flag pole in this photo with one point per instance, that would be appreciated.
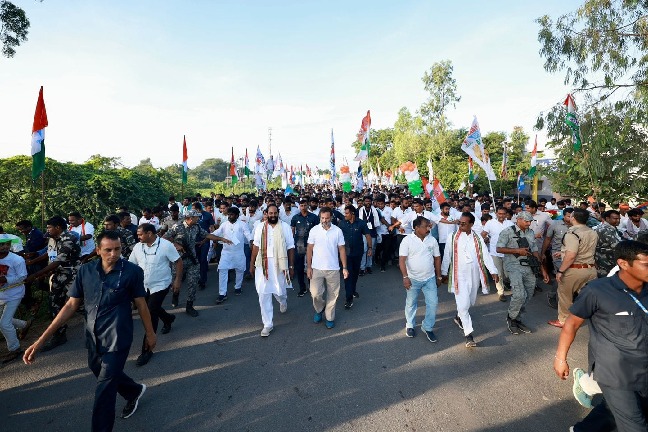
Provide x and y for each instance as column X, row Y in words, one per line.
column 43, row 200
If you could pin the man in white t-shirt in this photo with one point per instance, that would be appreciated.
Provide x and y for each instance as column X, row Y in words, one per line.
column 155, row 256
column 85, row 231
column 447, row 224
column 420, row 265
column 149, row 217
column 325, row 243
column 492, row 229
column 13, row 272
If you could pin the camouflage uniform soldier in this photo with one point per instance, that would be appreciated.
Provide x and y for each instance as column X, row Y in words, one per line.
column 185, row 236
column 608, row 237
column 522, row 277
column 63, row 254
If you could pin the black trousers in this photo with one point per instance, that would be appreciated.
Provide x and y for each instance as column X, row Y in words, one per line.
column 353, row 267
column 300, row 264
column 383, row 250
column 630, row 408
column 154, row 302
column 111, row 379
column 600, row 419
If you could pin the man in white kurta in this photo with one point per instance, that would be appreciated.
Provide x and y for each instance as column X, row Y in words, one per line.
column 233, row 255
column 464, row 265
column 272, row 265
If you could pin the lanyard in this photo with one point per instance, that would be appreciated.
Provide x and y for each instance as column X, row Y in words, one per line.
column 636, row 300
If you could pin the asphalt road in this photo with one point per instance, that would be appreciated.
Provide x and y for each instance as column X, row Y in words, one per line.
column 215, row 373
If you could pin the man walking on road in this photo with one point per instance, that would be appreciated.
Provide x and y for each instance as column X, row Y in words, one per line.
column 465, row 261
column 301, row 225
column 616, row 308
column 493, row 228
column 577, row 268
column 272, row 265
column 517, row 266
column 106, row 287
column 155, row 256
column 420, row 264
column 356, row 234
column 325, row 243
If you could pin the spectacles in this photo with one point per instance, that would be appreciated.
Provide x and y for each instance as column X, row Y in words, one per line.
column 464, row 223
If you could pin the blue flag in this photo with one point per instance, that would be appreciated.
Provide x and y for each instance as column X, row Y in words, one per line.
column 520, row 182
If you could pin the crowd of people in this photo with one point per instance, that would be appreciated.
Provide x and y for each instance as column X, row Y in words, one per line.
column 321, row 239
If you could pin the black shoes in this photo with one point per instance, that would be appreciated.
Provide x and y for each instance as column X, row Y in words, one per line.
column 368, row 270
column 237, row 292
column 522, row 327
column 362, row 273
column 190, row 310
column 221, row 298
column 470, row 342
column 348, row 305
column 457, row 321
column 512, row 325
column 144, row 358
column 131, row 405
column 301, row 293
column 502, row 298
column 167, row 327
column 11, row 356
column 56, row 340
column 356, row 295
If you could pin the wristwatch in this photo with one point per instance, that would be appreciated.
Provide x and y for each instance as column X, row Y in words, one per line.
column 405, row 277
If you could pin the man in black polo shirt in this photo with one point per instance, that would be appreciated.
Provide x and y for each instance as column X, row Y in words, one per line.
column 354, row 230
column 107, row 287
column 617, row 310
column 301, row 225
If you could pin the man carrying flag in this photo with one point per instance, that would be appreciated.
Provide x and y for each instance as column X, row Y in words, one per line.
column 38, row 137
column 232, row 170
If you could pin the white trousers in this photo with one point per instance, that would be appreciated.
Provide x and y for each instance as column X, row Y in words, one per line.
column 223, row 278
column 267, row 309
column 467, row 297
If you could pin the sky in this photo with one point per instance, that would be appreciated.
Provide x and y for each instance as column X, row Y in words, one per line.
column 129, row 79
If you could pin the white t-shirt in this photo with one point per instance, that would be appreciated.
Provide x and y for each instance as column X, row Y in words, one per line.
column 325, row 247
column 445, row 229
column 14, row 269
column 410, row 217
column 87, row 246
column 420, row 256
column 387, row 215
column 155, row 221
column 287, row 217
column 493, row 227
column 155, row 260
column 402, row 217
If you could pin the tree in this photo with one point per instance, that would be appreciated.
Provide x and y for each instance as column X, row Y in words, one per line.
column 603, row 50
column 602, row 46
column 211, row 170
column 442, row 89
column 14, row 27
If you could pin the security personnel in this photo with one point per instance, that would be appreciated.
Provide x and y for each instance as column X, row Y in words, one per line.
column 577, row 268
column 301, row 225
column 354, row 230
column 608, row 237
column 186, row 236
column 64, row 257
column 106, row 287
column 523, row 280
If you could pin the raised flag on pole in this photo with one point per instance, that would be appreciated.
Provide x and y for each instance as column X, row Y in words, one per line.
column 471, row 176
column 572, row 121
column 534, row 159
column 247, row 170
column 504, row 169
column 333, row 174
column 232, row 170
column 437, row 190
column 359, row 179
column 185, row 168
column 430, row 169
column 279, row 168
column 38, row 137
column 363, row 138
column 520, row 182
column 260, row 167
column 473, row 146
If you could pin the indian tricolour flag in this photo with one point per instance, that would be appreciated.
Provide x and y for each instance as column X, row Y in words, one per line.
column 572, row 121
column 534, row 160
column 38, row 137
column 247, row 170
column 363, row 138
column 185, row 169
column 232, row 171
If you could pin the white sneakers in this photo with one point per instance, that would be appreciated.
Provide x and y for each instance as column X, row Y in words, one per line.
column 266, row 331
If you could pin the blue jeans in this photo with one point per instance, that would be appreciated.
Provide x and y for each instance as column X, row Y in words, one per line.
column 6, row 324
column 429, row 289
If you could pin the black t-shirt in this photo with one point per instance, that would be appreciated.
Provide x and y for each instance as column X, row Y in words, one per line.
column 618, row 345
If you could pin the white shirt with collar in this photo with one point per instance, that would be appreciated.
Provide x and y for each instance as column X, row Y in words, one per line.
column 325, row 247
column 420, row 256
column 155, row 260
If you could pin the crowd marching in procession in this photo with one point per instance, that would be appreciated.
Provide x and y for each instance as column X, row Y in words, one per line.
column 322, row 240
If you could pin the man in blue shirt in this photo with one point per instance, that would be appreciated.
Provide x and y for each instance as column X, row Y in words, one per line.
column 354, row 230
column 106, row 287
column 301, row 225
